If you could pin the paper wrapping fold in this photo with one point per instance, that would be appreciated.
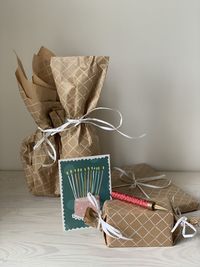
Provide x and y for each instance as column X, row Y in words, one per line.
column 79, row 81
column 41, row 67
column 183, row 200
column 40, row 98
column 145, row 228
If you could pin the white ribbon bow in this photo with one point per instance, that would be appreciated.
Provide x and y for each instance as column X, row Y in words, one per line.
column 75, row 122
column 182, row 221
column 142, row 182
column 107, row 228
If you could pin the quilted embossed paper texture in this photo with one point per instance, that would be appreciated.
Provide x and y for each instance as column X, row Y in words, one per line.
column 79, row 81
column 41, row 99
column 183, row 200
column 145, row 227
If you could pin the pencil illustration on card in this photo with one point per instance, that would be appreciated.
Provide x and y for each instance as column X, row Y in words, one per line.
column 81, row 182
column 78, row 177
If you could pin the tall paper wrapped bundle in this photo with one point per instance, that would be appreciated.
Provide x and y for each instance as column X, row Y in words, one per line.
column 66, row 88
column 79, row 81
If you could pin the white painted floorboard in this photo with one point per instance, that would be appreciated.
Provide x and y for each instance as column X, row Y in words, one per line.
column 31, row 234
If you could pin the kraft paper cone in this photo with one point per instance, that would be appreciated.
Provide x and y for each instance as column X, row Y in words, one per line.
column 79, row 81
column 33, row 91
column 40, row 99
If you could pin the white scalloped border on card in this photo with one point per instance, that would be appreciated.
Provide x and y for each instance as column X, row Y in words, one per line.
column 64, row 221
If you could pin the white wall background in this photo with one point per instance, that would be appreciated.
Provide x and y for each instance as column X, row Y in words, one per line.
column 153, row 76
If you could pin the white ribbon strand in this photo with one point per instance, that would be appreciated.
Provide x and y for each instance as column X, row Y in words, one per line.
column 182, row 221
column 142, row 182
column 104, row 125
column 107, row 228
column 49, row 144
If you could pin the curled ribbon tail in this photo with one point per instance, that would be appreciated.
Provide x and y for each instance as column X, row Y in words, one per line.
column 69, row 123
column 112, row 231
column 94, row 218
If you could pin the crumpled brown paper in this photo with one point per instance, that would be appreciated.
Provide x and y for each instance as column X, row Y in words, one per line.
column 91, row 217
column 41, row 98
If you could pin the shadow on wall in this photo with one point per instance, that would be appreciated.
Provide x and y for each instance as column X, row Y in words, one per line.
column 119, row 147
column 156, row 107
column 165, row 147
column 107, row 138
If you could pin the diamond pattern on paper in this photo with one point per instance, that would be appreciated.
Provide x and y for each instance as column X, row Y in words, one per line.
column 40, row 180
column 146, row 228
column 79, row 81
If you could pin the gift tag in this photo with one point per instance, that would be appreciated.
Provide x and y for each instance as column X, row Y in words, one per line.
column 78, row 176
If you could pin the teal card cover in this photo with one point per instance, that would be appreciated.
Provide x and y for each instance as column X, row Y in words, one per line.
column 78, row 176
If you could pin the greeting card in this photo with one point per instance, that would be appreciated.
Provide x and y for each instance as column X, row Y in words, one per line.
column 78, row 176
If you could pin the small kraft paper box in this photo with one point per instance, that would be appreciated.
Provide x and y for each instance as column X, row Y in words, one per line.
column 145, row 228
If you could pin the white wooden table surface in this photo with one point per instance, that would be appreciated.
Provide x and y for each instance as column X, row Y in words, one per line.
column 31, row 233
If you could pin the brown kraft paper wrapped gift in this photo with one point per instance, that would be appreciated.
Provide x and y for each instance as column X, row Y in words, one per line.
column 40, row 98
column 144, row 227
column 181, row 199
column 79, row 81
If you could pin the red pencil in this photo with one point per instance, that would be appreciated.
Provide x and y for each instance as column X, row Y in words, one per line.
column 147, row 204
